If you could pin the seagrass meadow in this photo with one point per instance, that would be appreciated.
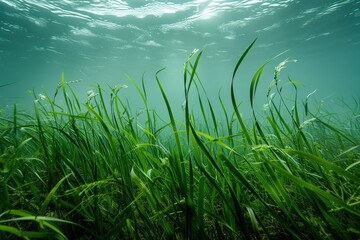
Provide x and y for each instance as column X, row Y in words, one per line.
column 95, row 169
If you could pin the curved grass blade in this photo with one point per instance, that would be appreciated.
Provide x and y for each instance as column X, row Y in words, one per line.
column 232, row 92
column 51, row 194
column 325, row 163
column 187, row 88
column 30, row 234
column 179, row 163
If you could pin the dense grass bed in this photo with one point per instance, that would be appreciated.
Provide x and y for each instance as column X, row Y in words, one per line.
column 93, row 170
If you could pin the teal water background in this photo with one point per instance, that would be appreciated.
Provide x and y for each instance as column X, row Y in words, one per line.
column 98, row 41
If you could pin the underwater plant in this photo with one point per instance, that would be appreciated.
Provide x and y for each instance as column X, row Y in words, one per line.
column 97, row 170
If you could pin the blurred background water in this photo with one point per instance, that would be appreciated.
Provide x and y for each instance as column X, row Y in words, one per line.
column 98, row 41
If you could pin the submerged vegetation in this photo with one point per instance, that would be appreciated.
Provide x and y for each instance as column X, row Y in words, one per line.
column 94, row 171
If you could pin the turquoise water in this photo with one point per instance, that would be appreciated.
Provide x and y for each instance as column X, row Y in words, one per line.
column 99, row 41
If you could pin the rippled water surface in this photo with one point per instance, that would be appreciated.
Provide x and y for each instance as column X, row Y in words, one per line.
column 98, row 41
